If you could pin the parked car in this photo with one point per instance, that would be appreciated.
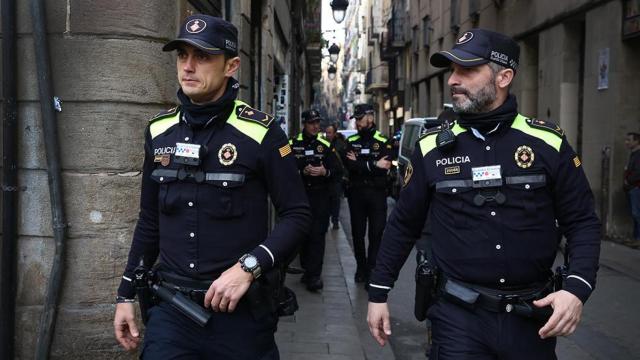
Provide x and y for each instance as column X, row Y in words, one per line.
column 412, row 129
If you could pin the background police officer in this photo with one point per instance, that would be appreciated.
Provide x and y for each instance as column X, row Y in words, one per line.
column 317, row 163
column 494, row 184
column 209, row 165
column 368, row 163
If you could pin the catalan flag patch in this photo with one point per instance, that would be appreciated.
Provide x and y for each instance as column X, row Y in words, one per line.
column 576, row 161
column 285, row 150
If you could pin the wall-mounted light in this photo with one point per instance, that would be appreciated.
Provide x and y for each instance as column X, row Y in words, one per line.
column 332, row 71
column 334, row 50
column 339, row 8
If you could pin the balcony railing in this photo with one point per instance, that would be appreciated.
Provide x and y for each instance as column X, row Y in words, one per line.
column 377, row 78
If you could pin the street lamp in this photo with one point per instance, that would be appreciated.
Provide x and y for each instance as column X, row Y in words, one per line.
column 332, row 71
column 334, row 50
column 339, row 8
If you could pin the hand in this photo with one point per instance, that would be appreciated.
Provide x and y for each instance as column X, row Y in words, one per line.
column 124, row 324
column 384, row 163
column 378, row 319
column 224, row 293
column 567, row 309
column 307, row 170
column 318, row 171
column 351, row 155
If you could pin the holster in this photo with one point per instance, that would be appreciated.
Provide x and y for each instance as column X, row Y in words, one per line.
column 426, row 279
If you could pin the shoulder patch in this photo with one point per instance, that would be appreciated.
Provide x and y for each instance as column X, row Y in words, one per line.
column 250, row 114
column 353, row 138
column 433, row 130
column 165, row 113
column 546, row 125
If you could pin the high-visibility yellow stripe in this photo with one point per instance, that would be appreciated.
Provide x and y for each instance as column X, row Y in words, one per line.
column 253, row 130
column 520, row 123
column 325, row 142
column 159, row 126
column 428, row 143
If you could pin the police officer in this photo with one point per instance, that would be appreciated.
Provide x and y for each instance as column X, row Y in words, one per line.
column 316, row 160
column 368, row 163
column 208, row 168
column 494, row 182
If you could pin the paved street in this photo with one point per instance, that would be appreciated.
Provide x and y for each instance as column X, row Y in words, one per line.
column 331, row 324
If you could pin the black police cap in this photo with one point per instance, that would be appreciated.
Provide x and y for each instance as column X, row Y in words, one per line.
column 477, row 47
column 361, row 110
column 212, row 35
column 310, row 115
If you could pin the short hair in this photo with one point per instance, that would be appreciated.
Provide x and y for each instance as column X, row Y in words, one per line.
column 331, row 125
column 634, row 135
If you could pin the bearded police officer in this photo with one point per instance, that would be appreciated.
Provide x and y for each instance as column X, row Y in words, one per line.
column 495, row 184
column 209, row 165
column 317, row 162
column 368, row 160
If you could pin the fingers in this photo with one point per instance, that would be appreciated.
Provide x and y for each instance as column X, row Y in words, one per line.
column 125, row 328
column 209, row 296
column 376, row 331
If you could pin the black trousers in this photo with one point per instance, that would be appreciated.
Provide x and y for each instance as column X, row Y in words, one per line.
column 367, row 204
column 312, row 252
column 462, row 334
column 236, row 335
column 336, row 197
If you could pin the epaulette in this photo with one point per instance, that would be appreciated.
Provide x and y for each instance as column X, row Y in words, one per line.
column 165, row 113
column 250, row 114
column 545, row 125
column 431, row 131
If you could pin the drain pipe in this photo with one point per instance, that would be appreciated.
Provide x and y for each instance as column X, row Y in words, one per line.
column 9, row 182
column 48, row 105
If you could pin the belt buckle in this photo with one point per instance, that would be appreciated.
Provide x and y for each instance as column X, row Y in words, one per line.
column 507, row 301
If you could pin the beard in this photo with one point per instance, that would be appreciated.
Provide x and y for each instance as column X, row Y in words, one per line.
column 475, row 103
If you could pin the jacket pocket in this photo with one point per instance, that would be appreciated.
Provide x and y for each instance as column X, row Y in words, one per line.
column 223, row 195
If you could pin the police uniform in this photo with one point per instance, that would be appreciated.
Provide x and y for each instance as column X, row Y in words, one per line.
column 493, row 199
column 198, row 220
column 367, row 194
column 315, row 151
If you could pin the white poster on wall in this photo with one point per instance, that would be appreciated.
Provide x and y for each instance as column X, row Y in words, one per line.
column 281, row 98
column 603, row 69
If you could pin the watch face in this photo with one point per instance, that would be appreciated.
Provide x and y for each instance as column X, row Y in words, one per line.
column 250, row 262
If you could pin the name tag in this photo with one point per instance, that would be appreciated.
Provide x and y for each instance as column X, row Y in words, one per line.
column 365, row 151
column 308, row 152
column 485, row 173
column 188, row 150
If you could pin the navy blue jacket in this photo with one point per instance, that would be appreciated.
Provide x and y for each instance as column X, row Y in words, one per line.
column 369, row 145
column 200, row 229
column 492, row 244
column 315, row 151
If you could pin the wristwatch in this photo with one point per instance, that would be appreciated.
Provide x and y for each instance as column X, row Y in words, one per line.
column 250, row 264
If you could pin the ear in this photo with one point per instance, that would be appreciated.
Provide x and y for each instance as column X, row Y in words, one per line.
column 231, row 66
column 504, row 78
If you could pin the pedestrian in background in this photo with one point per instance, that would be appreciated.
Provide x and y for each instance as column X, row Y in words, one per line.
column 317, row 163
column 368, row 160
column 339, row 143
column 493, row 183
column 209, row 166
column 632, row 184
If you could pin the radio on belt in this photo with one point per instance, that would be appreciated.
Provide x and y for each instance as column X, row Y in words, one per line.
column 188, row 154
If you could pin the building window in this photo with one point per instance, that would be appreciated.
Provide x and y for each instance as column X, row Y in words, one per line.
column 426, row 31
column 455, row 16
column 631, row 19
column 416, row 43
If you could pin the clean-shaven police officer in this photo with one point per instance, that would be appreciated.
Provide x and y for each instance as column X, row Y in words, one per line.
column 317, row 163
column 494, row 183
column 368, row 160
column 208, row 168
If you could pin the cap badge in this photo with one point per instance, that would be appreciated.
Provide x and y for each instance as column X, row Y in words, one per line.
column 465, row 38
column 196, row 26
column 524, row 156
column 227, row 154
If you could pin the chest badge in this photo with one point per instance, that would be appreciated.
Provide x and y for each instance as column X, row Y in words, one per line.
column 376, row 146
column 227, row 154
column 524, row 156
column 320, row 148
column 165, row 160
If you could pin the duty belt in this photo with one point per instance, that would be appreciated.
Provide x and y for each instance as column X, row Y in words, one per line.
column 194, row 289
column 518, row 301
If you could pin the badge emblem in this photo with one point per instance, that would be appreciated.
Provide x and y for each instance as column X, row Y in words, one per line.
column 524, row 156
column 376, row 146
column 320, row 148
column 465, row 38
column 165, row 160
column 227, row 154
column 407, row 175
column 452, row 170
column 196, row 26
